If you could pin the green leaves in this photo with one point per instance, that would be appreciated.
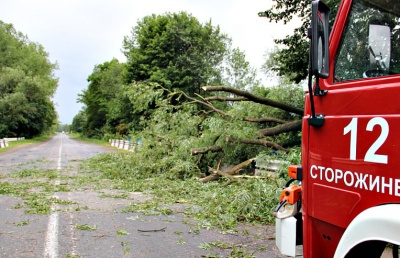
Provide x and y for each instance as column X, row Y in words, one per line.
column 213, row 204
column 26, row 85
column 292, row 60
column 142, row 95
column 85, row 227
column 175, row 50
column 239, row 73
column 102, row 99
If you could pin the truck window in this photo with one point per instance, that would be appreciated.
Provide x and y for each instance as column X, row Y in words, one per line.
column 370, row 45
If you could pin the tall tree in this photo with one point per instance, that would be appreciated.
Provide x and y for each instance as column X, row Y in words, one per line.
column 104, row 85
column 27, row 84
column 176, row 51
column 292, row 60
column 79, row 122
column 238, row 72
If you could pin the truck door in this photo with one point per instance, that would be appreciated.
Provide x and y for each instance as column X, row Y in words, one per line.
column 352, row 161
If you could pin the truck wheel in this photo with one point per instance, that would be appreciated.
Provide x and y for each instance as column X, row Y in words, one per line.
column 371, row 249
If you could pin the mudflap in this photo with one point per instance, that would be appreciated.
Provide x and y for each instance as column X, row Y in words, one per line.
column 289, row 234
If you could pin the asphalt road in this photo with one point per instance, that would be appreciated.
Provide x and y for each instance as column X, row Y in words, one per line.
column 84, row 223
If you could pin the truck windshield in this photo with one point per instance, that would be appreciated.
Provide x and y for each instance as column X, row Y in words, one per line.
column 370, row 45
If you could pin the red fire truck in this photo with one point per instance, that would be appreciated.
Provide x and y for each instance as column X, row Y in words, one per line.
column 345, row 201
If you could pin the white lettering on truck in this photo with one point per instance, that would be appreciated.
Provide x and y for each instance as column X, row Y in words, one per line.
column 380, row 184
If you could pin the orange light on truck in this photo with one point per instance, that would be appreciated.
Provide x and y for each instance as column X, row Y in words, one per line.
column 295, row 172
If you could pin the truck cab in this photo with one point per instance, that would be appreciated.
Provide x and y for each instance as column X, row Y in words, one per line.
column 349, row 205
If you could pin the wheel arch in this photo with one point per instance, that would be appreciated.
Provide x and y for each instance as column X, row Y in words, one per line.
column 372, row 227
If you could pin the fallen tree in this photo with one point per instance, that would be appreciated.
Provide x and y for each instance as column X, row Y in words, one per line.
column 189, row 134
column 279, row 125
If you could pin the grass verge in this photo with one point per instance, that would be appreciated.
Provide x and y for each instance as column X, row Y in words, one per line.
column 80, row 137
column 25, row 142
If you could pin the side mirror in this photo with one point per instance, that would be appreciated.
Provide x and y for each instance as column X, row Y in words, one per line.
column 320, row 39
column 319, row 56
column 379, row 50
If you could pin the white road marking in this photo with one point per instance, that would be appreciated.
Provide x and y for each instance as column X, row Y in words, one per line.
column 51, row 242
column 72, row 229
column 51, row 248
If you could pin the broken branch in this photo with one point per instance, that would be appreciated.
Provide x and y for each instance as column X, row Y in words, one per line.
column 152, row 230
column 197, row 151
column 232, row 171
column 255, row 98
column 287, row 127
column 226, row 99
column 257, row 142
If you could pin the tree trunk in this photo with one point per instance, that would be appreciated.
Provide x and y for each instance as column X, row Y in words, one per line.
column 232, row 171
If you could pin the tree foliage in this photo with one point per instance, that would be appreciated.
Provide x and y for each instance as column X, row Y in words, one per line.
column 173, row 50
column 27, row 84
column 171, row 130
column 237, row 71
column 100, row 97
column 176, row 51
column 166, row 98
column 79, row 122
column 292, row 60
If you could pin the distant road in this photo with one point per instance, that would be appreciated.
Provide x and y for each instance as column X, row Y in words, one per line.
column 84, row 223
column 60, row 148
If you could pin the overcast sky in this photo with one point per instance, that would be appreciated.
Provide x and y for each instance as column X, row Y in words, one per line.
column 79, row 34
